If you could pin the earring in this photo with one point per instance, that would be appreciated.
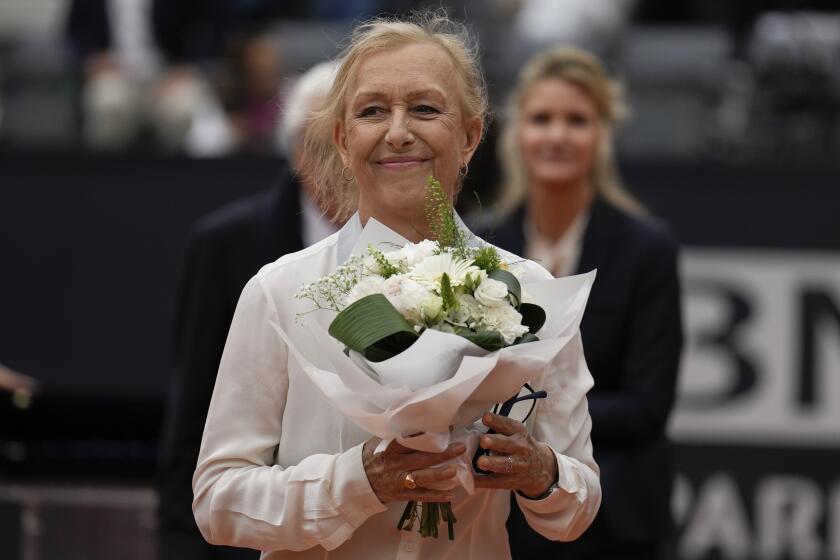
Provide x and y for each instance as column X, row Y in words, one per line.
column 344, row 174
column 464, row 170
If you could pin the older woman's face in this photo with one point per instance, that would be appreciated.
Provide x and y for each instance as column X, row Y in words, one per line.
column 559, row 133
column 403, row 123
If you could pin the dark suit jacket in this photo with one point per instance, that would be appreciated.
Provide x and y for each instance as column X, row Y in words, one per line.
column 632, row 338
column 88, row 27
column 225, row 249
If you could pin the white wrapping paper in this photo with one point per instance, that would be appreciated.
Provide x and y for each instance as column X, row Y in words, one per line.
column 443, row 383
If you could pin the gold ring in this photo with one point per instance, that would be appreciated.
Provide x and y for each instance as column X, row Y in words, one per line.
column 408, row 481
column 510, row 463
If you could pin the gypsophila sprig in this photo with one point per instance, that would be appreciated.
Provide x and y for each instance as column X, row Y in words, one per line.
column 331, row 292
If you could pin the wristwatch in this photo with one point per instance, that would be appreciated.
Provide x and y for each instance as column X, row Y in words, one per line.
column 542, row 496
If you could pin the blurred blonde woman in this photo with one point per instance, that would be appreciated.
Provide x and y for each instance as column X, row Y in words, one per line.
column 564, row 207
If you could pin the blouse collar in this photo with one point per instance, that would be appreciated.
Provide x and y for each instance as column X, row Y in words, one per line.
column 350, row 232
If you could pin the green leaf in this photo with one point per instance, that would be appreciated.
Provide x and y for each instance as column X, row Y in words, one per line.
column 447, row 295
column 533, row 316
column 389, row 346
column 369, row 321
column 514, row 289
column 489, row 340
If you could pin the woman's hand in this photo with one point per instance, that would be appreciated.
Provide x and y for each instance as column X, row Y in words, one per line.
column 518, row 461
column 387, row 472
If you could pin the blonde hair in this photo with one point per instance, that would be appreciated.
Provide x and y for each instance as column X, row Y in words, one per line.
column 583, row 70
column 323, row 162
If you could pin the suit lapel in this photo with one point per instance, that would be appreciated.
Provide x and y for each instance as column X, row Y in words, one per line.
column 600, row 229
column 283, row 217
column 510, row 235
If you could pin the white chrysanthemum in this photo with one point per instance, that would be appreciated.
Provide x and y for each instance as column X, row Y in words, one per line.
column 492, row 293
column 368, row 285
column 505, row 319
column 430, row 270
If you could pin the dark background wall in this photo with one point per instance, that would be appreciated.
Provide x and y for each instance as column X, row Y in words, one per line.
column 90, row 248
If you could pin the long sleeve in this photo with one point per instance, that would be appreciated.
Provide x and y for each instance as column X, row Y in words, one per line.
column 638, row 411
column 564, row 423
column 241, row 497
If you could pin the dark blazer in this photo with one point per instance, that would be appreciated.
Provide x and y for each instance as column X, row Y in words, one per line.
column 632, row 338
column 88, row 27
column 225, row 249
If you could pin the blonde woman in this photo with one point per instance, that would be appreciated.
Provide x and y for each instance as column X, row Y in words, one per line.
column 280, row 469
column 566, row 209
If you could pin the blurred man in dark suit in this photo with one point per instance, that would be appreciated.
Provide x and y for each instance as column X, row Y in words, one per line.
column 225, row 249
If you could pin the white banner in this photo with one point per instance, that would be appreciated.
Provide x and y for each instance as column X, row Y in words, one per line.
column 762, row 360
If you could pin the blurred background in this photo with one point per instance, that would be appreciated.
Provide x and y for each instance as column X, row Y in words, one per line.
column 124, row 121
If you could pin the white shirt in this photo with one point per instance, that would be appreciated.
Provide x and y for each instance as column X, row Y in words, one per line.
column 131, row 29
column 280, row 470
column 559, row 257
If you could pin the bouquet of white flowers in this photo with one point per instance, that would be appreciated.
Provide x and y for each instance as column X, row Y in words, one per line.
column 436, row 335
column 385, row 299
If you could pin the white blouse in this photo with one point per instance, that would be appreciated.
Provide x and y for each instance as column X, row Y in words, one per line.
column 561, row 256
column 280, row 470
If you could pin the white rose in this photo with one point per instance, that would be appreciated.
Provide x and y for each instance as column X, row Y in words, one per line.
column 492, row 293
column 368, row 285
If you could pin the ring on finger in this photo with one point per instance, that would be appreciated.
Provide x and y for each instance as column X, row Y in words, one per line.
column 408, row 481
column 509, row 463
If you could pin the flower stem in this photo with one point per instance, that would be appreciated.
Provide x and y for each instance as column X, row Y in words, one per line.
column 408, row 515
column 430, row 514
column 449, row 516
